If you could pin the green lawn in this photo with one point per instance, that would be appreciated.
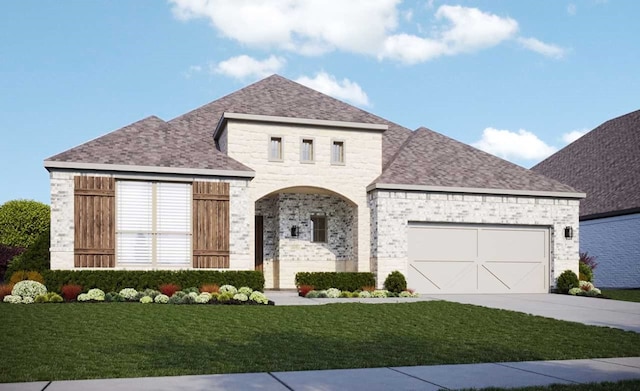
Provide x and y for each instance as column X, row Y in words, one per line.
column 623, row 294
column 77, row 341
column 626, row 385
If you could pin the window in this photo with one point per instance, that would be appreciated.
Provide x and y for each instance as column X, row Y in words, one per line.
column 337, row 152
column 306, row 152
column 275, row 149
column 153, row 223
column 319, row 227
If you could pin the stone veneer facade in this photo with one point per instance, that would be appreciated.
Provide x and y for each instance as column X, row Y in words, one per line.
column 62, row 212
column 391, row 212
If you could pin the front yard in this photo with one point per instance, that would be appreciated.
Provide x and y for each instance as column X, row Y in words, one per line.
column 104, row 340
column 623, row 294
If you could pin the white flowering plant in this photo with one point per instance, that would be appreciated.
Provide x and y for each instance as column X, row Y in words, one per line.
column 246, row 290
column 27, row 300
column 333, row 293
column 146, row 300
column 13, row 299
column 364, row 294
column 228, row 289
column 258, row 297
column 203, row 298
column 380, row 293
column 575, row 291
column 28, row 288
column 83, row 297
column 161, row 299
column 96, row 294
column 240, row 297
column 129, row 294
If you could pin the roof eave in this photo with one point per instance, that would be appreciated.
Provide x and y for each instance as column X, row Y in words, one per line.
column 51, row 164
column 474, row 190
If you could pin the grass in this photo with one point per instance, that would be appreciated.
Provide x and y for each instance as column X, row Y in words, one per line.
column 623, row 294
column 82, row 341
column 625, row 385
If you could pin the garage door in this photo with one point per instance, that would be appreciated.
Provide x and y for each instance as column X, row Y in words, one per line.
column 448, row 258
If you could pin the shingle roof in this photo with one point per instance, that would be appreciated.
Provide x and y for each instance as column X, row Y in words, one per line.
column 604, row 163
column 187, row 141
column 429, row 158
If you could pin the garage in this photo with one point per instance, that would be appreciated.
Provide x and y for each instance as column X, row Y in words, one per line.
column 478, row 258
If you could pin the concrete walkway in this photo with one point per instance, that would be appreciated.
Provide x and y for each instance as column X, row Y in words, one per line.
column 427, row 378
column 587, row 310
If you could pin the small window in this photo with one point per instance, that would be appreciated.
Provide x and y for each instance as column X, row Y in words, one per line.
column 275, row 148
column 307, row 153
column 337, row 152
column 319, row 226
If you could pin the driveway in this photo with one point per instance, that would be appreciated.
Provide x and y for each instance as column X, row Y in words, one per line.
column 592, row 311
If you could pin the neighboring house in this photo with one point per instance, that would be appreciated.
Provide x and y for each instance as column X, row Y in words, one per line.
column 605, row 163
column 281, row 178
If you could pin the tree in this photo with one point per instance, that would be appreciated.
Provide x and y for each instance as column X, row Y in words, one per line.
column 22, row 222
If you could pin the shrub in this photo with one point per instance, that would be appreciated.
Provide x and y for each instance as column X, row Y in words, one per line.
column 585, row 273
column 26, row 275
column 113, row 297
column 405, row 294
column 187, row 299
column 566, row 281
column 395, row 282
column 129, row 294
column 585, row 285
column 364, row 294
column 5, row 290
column 146, row 300
column 313, row 294
column 27, row 300
column 589, row 260
column 203, row 298
column 21, row 221
column 28, row 288
column 333, row 293
column 368, row 288
column 345, row 294
column 83, row 297
column 7, row 253
column 258, row 297
column 49, row 297
column 304, row 289
column 209, row 288
column 224, row 297
column 168, row 289
column 96, row 294
column 379, row 294
column 161, row 299
column 12, row 299
column 575, row 291
column 228, row 289
column 192, row 289
column 345, row 281
column 152, row 293
column 240, row 297
column 115, row 280
column 246, row 290
column 175, row 299
column 70, row 292
column 35, row 258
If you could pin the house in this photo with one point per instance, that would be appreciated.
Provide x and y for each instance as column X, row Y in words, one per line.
column 605, row 163
column 281, row 178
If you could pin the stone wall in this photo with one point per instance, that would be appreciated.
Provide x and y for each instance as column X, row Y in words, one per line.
column 615, row 242
column 62, row 213
column 393, row 210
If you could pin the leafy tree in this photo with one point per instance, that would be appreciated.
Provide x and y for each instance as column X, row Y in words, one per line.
column 22, row 221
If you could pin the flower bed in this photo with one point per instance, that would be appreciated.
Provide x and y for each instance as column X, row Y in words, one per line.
column 333, row 293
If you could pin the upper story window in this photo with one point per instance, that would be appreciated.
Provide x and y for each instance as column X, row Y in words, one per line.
column 306, row 151
column 275, row 148
column 337, row 152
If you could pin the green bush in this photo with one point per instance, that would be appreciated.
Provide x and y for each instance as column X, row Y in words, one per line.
column 115, row 280
column 344, row 281
column 35, row 258
column 566, row 281
column 586, row 274
column 22, row 221
column 395, row 282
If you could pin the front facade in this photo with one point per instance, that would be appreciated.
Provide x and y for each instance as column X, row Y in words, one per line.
column 280, row 178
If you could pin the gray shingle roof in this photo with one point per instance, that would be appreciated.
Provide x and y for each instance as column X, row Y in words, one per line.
column 604, row 163
column 432, row 159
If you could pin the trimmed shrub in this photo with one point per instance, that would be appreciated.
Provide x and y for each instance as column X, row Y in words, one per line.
column 28, row 288
column 585, row 273
column 115, row 280
column 395, row 282
column 344, row 281
column 566, row 281
column 70, row 292
column 35, row 258
column 21, row 221
column 7, row 253
column 26, row 275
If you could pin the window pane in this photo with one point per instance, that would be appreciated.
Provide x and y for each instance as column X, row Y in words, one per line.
column 275, row 148
column 337, row 152
column 174, row 207
column 134, row 248
column 307, row 150
column 174, row 249
column 134, row 206
column 319, row 227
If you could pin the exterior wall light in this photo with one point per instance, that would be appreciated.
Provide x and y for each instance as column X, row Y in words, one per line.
column 568, row 232
column 294, row 231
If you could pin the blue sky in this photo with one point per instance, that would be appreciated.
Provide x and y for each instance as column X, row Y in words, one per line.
column 516, row 78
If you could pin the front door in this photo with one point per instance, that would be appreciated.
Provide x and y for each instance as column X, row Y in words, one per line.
column 259, row 243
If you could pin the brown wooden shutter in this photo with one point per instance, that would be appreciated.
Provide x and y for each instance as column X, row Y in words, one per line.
column 210, row 225
column 94, row 222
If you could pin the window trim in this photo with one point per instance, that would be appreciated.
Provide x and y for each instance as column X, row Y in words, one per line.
column 325, row 230
column 271, row 158
column 313, row 150
column 344, row 153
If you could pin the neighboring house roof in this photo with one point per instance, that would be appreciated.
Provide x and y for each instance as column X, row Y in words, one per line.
column 604, row 163
column 432, row 160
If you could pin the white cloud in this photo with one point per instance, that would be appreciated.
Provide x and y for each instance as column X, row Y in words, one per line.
column 546, row 49
column 193, row 69
column 572, row 9
column 514, row 145
column 242, row 67
column 344, row 89
column 572, row 136
column 366, row 27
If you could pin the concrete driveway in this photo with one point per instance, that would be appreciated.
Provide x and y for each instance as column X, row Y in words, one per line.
column 592, row 311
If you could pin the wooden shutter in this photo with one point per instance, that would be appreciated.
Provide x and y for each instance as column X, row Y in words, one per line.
column 210, row 225
column 94, row 222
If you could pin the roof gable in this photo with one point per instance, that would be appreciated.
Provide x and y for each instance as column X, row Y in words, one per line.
column 604, row 163
column 431, row 159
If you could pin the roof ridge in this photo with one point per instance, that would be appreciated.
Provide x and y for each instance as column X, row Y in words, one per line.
column 400, row 149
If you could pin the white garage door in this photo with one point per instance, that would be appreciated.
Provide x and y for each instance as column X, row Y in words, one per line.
column 449, row 258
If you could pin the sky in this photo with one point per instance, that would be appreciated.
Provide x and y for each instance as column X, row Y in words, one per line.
column 519, row 79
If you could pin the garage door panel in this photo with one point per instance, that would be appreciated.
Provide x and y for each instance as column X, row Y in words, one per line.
column 514, row 245
column 511, row 277
column 442, row 276
column 443, row 244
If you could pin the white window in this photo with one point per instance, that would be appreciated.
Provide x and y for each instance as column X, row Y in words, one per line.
column 337, row 152
column 306, row 152
column 275, row 148
column 153, row 224
column 319, row 228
